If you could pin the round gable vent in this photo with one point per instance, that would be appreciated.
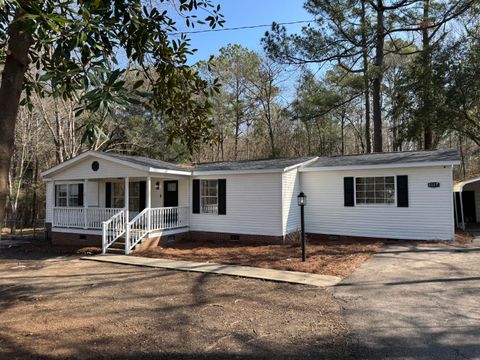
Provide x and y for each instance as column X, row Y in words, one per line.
column 95, row 165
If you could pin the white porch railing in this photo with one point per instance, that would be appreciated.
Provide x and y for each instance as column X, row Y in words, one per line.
column 80, row 217
column 153, row 220
column 113, row 229
column 69, row 217
column 114, row 222
column 169, row 217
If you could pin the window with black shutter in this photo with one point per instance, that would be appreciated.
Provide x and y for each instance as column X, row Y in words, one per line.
column 69, row 195
column 348, row 194
column 196, row 196
column 222, row 197
column 108, row 194
column 402, row 191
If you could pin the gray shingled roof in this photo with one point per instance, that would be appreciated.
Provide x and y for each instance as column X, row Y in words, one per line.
column 144, row 161
column 270, row 164
column 404, row 157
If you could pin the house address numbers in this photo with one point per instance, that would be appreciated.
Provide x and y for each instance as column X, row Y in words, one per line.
column 433, row 184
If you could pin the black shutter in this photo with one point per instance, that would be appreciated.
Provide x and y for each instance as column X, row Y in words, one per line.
column 402, row 191
column 222, row 197
column 80, row 195
column 196, row 197
column 143, row 194
column 348, row 194
column 55, row 190
column 108, row 194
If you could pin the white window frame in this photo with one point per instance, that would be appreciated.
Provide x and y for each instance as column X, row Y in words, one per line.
column 202, row 206
column 393, row 204
column 120, row 188
column 119, row 194
column 68, row 200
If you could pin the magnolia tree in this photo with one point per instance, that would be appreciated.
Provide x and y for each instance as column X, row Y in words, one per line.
column 75, row 49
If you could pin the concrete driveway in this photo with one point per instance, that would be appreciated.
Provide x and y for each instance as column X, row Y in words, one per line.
column 419, row 302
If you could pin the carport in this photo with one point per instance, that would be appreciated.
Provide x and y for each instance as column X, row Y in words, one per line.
column 467, row 202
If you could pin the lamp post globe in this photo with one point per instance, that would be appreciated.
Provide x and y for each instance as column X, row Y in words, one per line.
column 302, row 199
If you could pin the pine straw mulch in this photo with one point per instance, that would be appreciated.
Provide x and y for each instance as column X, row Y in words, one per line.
column 338, row 257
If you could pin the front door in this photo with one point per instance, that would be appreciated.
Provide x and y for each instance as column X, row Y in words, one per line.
column 170, row 193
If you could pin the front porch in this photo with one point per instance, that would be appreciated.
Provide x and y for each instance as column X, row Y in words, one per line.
column 163, row 218
column 125, row 210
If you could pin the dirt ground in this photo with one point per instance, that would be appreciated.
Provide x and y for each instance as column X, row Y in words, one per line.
column 329, row 257
column 54, row 306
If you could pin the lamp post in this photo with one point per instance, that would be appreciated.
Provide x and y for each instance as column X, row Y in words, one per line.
column 302, row 201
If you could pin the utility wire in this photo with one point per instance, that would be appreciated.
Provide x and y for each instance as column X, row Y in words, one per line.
column 241, row 27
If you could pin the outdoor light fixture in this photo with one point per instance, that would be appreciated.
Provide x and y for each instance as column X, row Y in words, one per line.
column 302, row 201
column 157, row 185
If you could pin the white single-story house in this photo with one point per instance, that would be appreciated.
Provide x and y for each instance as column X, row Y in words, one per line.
column 105, row 198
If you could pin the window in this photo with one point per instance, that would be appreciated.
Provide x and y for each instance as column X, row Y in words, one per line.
column 118, row 195
column 73, row 195
column 134, row 196
column 68, row 195
column 209, row 196
column 61, row 193
column 375, row 190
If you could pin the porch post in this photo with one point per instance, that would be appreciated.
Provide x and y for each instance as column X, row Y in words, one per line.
column 85, row 205
column 149, row 201
column 54, row 208
column 461, row 211
column 126, row 195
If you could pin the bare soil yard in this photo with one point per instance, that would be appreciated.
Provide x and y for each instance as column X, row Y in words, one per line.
column 328, row 257
column 54, row 307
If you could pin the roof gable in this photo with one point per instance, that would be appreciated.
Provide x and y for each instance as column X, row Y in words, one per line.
column 139, row 165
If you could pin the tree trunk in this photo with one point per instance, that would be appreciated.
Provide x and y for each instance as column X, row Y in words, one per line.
column 16, row 63
column 342, row 131
column 427, row 83
column 377, row 81
column 366, row 82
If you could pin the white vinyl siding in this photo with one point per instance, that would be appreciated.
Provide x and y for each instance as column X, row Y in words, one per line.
column 254, row 206
column 428, row 217
column 290, row 208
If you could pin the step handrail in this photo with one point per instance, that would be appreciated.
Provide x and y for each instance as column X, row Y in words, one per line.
column 136, row 230
column 113, row 228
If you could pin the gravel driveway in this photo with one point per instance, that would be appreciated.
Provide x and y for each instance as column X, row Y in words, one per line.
column 419, row 302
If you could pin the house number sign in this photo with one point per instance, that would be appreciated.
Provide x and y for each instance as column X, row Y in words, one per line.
column 433, row 184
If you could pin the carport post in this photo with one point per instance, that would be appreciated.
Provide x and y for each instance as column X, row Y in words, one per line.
column 461, row 210
column 455, row 208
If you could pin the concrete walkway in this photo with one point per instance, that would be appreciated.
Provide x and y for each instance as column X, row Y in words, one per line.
column 293, row 277
column 415, row 302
